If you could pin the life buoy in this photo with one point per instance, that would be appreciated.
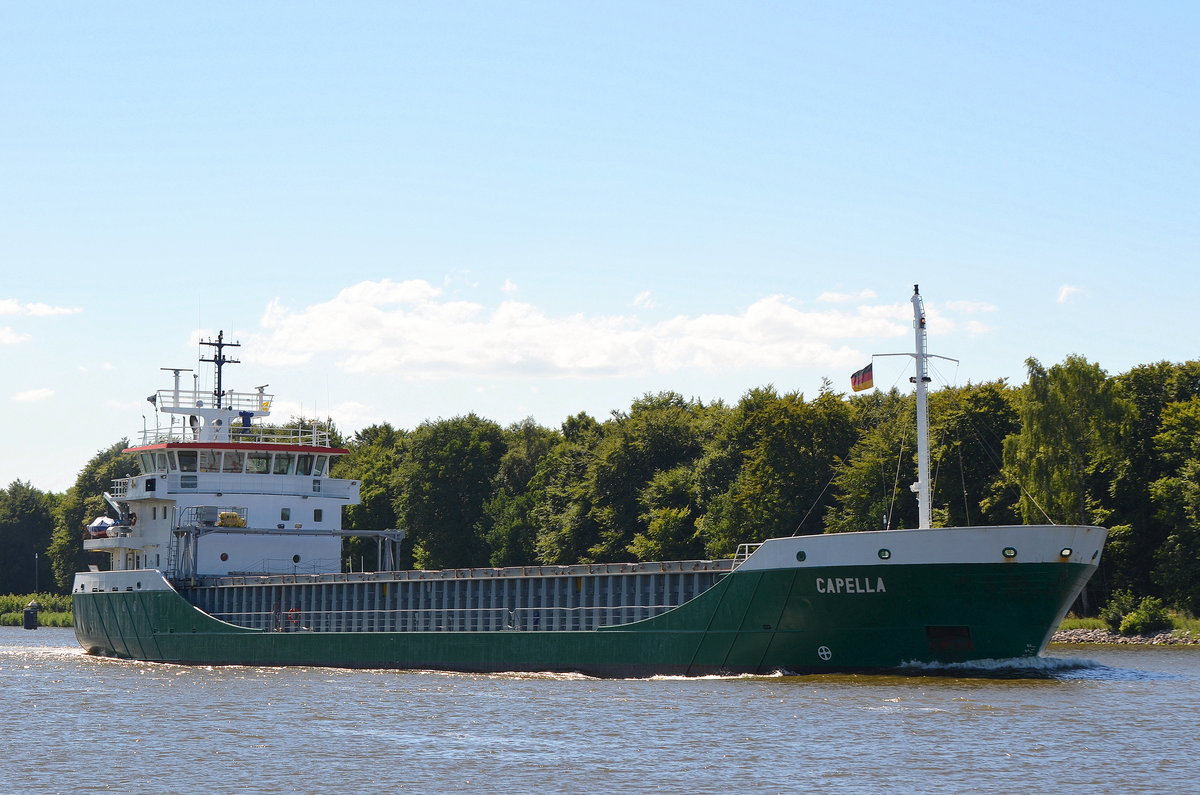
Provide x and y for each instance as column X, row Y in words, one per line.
column 294, row 615
column 132, row 519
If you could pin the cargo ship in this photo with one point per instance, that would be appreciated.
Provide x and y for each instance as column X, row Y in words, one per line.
column 226, row 549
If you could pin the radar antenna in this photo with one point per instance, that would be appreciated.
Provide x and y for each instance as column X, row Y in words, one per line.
column 220, row 360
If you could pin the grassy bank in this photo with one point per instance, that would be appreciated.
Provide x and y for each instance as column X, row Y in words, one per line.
column 55, row 612
column 1182, row 624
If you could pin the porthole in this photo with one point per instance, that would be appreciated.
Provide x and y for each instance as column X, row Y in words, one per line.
column 801, row 555
column 884, row 554
column 224, row 556
column 295, row 558
column 1065, row 552
column 1010, row 552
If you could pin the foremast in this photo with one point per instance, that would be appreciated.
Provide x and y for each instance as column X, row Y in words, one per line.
column 921, row 487
column 922, row 356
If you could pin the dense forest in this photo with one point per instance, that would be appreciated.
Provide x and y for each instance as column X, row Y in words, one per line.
column 674, row 477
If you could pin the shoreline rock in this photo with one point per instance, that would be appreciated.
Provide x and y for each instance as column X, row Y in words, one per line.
column 1104, row 636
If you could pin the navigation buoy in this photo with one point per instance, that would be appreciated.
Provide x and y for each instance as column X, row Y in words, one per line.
column 29, row 616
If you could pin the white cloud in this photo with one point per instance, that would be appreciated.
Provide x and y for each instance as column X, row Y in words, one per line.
column 403, row 328
column 10, row 337
column 845, row 298
column 10, row 306
column 509, row 286
column 33, row 395
column 1066, row 292
column 644, row 300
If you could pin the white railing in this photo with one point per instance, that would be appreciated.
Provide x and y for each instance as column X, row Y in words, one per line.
column 744, row 551
column 255, row 434
column 237, row 401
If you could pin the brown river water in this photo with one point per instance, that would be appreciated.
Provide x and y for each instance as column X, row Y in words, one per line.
column 1083, row 719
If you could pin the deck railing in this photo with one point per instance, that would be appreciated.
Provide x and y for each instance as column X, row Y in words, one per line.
column 189, row 398
column 744, row 551
column 255, row 434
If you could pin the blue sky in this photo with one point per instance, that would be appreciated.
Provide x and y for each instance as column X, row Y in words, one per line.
column 414, row 210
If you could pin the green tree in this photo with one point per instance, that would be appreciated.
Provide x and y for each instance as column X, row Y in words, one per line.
column 967, row 428
column 660, row 432
column 1062, row 458
column 372, row 461
column 442, row 482
column 512, row 530
column 872, row 484
column 1176, row 497
column 1139, row 524
column 26, row 522
column 561, row 509
column 668, row 519
column 82, row 502
column 786, row 449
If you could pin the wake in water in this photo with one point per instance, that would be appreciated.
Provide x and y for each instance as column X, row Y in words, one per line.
column 10, row 653
column 681, row 678
column 1052, row 668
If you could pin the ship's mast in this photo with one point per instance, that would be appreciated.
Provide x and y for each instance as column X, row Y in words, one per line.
column 921, row 379
column 219, row 360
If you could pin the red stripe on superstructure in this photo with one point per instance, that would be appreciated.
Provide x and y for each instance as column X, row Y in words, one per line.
column 265, row 447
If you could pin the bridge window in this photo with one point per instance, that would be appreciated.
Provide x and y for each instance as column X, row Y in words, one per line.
column 232, row 462
column 160, row 460
column 283, row 463
column 319, row 467
column 146, row 462
column 187, row 460
column 304, row 463
column 258, row 463
column 210, row 461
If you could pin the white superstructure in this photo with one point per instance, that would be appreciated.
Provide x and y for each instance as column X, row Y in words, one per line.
column 219, row 493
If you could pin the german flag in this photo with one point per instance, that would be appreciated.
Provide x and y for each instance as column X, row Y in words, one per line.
column 863, row 379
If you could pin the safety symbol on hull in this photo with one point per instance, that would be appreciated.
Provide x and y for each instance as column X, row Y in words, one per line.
column 824, row 653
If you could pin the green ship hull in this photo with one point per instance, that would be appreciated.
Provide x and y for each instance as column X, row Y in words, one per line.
column 227, row 511
column 791, row 619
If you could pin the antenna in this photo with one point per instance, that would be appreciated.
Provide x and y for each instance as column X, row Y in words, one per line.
column 175, row 396
column 220, row 360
